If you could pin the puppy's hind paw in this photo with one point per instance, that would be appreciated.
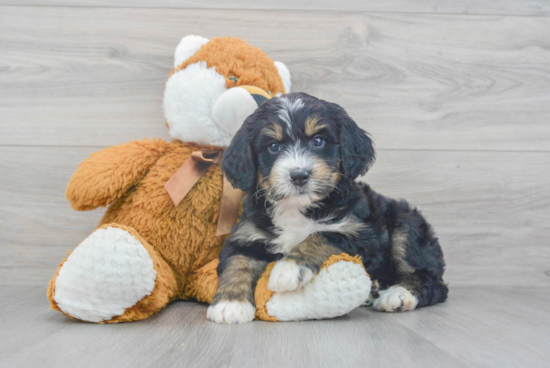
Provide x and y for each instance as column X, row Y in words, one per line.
column 231, row 311
column 395, row 299
column 288, row 276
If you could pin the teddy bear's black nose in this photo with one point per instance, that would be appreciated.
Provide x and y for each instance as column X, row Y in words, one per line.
column 299, row 177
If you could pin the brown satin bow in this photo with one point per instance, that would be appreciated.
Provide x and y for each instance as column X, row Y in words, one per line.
column 189, row 174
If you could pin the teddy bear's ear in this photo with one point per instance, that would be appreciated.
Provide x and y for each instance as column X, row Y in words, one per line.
column 187, row 48
column 284, row 74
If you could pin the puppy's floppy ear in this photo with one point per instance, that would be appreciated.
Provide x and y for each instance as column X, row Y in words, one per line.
column 238, row 162
column 356, row 148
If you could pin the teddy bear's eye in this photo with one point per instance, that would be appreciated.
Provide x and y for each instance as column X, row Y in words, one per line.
column 233, row 78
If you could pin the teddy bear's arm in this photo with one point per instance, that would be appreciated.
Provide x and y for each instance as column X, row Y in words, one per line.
column 109, row 173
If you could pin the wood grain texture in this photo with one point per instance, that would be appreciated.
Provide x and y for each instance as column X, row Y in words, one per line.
column 95, row 76
column 507, row 7
column 489, row 209
column 476, row 327
column 37, row 224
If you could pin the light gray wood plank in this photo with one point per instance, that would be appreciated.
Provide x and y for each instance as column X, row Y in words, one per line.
column 509, row 7
column 26, row 319
column 488, row 326
column 37, row 223
column 474, row 328
column 489, row 209
column 95, row 76
column 207, row 344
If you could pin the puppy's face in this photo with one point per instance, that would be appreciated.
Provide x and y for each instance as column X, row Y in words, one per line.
column 297, row 153
column 296, row 146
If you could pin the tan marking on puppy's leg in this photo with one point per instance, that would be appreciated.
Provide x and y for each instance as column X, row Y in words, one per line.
column 400, row 297
column 248, row 232
column 300, row 265
column 234, row 299
column 313, row 251
column 237, row 281
column 312, row 125
column 399, row 249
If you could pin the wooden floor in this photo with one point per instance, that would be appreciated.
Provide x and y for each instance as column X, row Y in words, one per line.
column 477, row 327
column 455, row 93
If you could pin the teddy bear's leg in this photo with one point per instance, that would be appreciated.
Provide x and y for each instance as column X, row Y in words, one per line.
column 204, row 282
column 114, row 275
column 341, row 286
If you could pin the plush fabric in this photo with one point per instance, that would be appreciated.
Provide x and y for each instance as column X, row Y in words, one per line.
column 187, row 48
column 189, row 99
column 341, row 285
column 234, row 57
column 197, row 83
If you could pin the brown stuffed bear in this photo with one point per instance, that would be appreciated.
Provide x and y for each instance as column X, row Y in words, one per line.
column 150, row 249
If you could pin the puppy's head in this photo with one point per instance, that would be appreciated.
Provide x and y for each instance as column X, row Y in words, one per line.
column 297, row 146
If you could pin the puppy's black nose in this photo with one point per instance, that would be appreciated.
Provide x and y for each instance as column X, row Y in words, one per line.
column 299, row 177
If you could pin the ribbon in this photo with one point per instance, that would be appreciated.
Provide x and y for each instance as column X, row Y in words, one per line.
column 189, row 174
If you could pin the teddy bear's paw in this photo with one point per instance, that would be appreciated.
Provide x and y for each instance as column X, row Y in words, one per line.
column 107, row 273
column 231, row 311
column 341, row 285
column 288, row 276
column 395, row 299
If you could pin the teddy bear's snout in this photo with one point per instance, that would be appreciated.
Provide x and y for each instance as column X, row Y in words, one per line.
column 235, row 105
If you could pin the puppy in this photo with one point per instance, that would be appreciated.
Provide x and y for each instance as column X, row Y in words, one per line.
column 297, row 158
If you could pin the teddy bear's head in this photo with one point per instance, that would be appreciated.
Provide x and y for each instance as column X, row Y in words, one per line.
column 215, row 85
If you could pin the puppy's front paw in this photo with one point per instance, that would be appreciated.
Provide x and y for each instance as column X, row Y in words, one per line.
column 287, row 276
column 231, row 311
column 394, row 299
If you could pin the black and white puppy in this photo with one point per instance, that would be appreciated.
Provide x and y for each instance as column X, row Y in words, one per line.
column 297, row 158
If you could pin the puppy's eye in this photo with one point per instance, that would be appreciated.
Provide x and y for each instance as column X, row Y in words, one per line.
column 274, row 147
column 318, row 142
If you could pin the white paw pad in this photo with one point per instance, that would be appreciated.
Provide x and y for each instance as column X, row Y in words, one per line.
column 230, row 311
column 107, row 273
column 287, row 276
column 395, row 299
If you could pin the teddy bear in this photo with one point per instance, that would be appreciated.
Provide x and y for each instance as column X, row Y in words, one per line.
column 157, row 242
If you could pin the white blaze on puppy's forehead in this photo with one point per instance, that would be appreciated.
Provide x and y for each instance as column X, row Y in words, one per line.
column 287, row 109
column 296, row 157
